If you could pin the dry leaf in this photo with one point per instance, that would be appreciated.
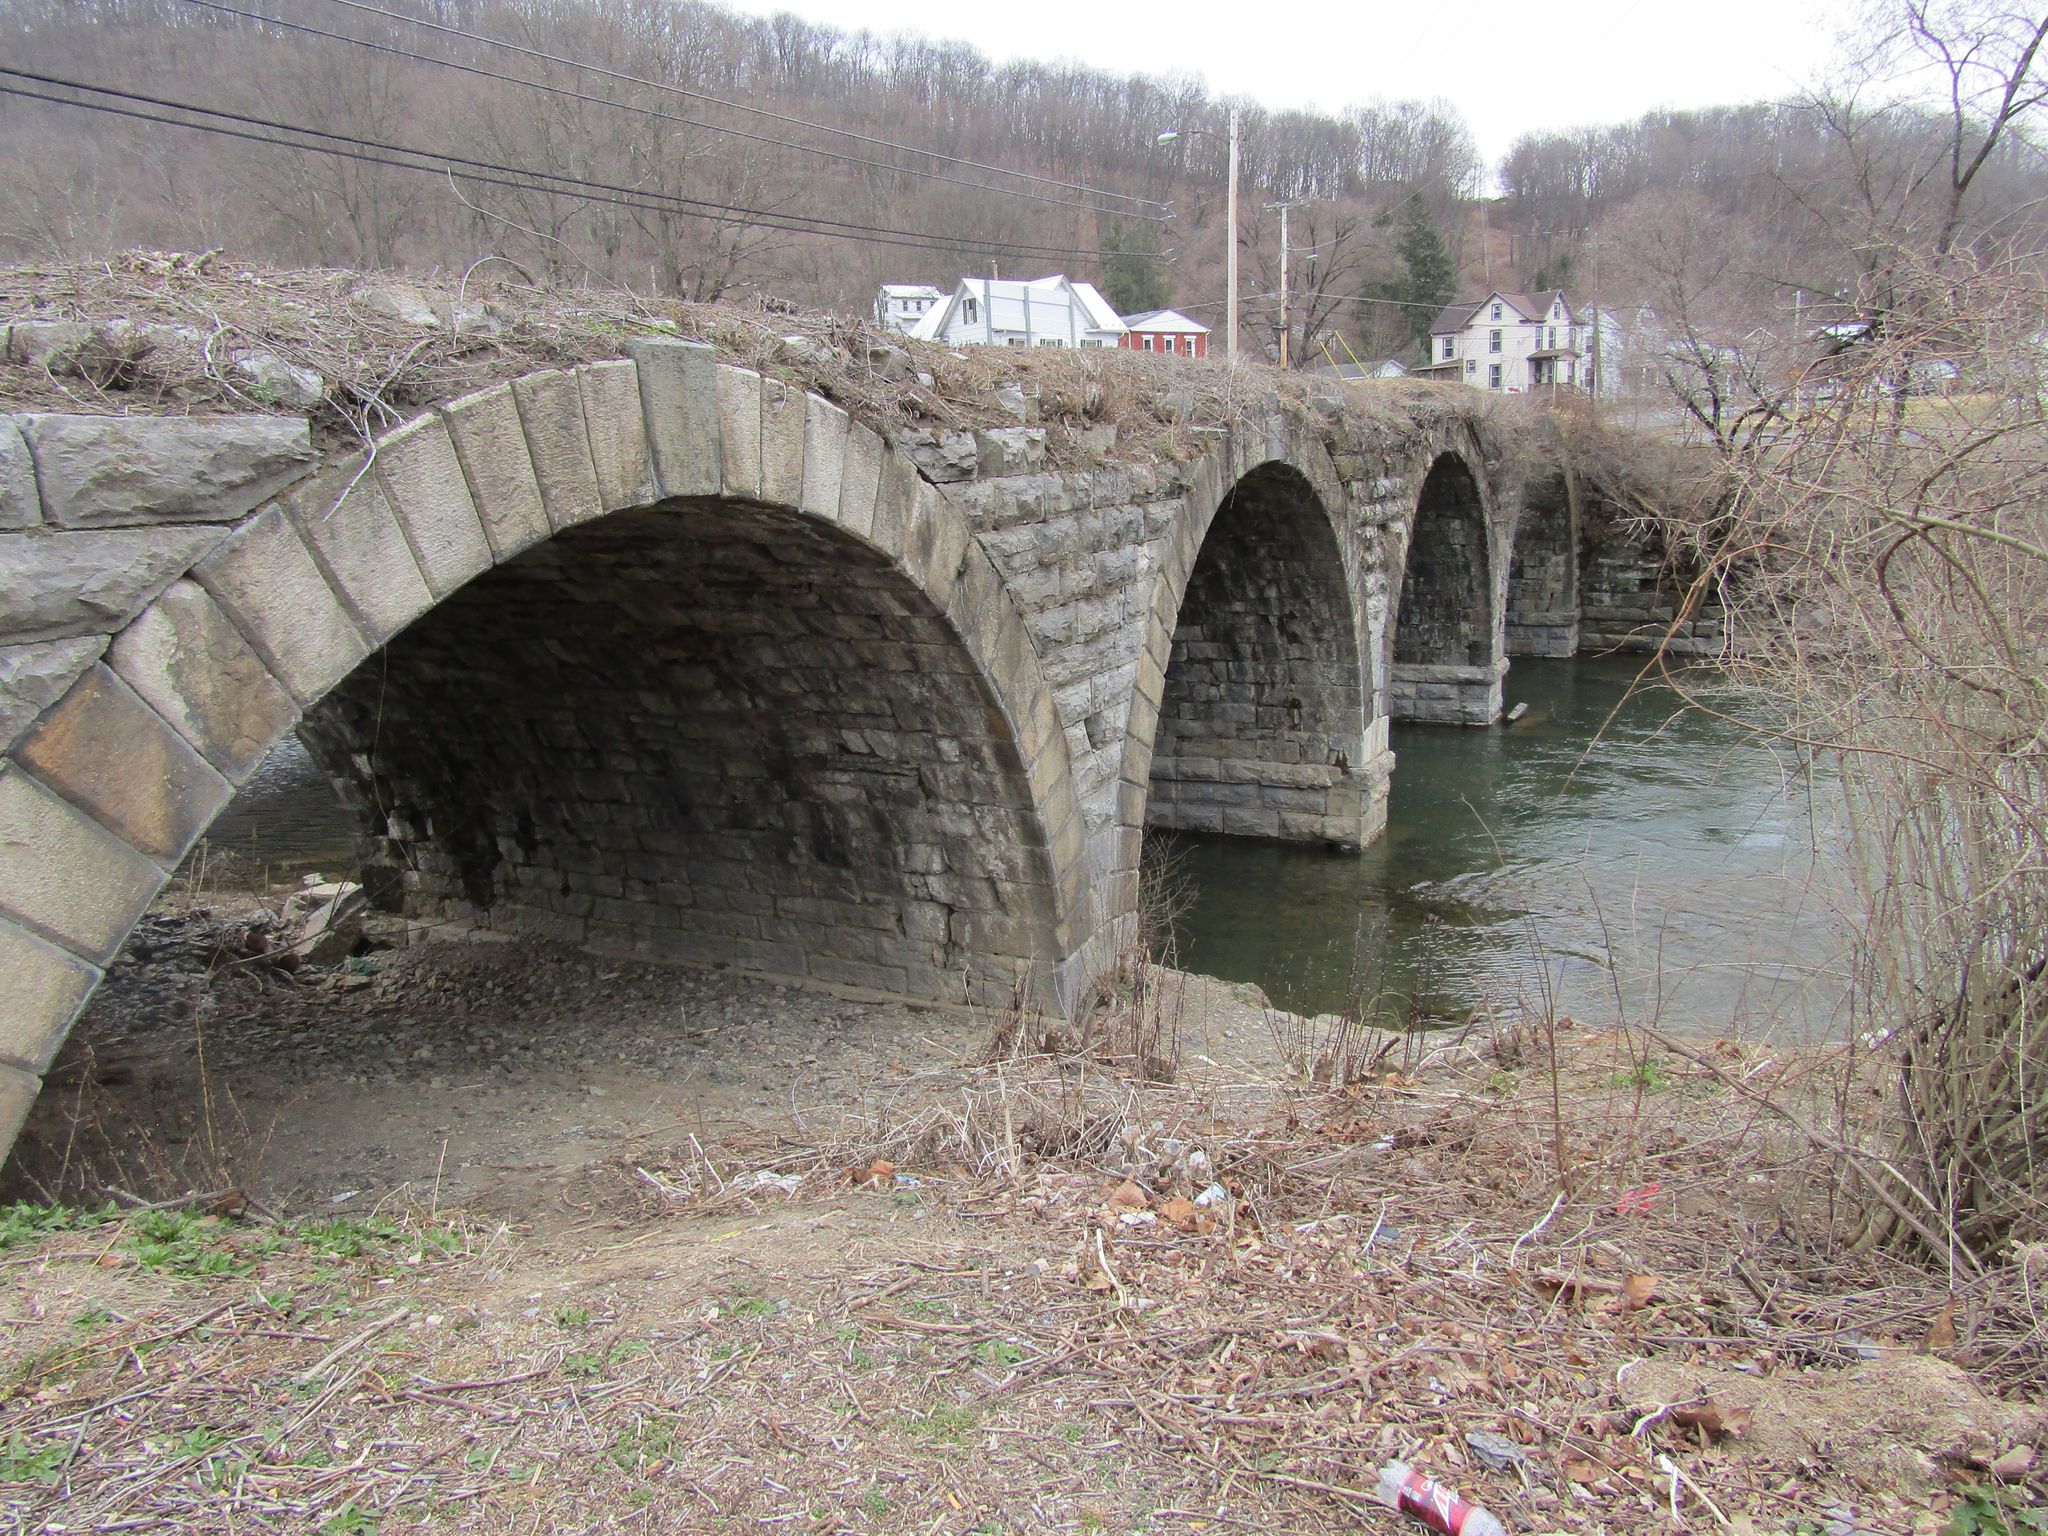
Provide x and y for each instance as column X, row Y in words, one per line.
column 1583, row 1471
column 1320, row 1346
column 1098, row 1281
column 880, row 1171
column 1637, row 1290
column 1129, row 1196
column 1715, row 1418
column 1183, row 1213
column 1941, row 1333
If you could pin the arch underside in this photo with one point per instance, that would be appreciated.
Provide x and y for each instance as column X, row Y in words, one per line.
column 1262, row 717
column 710, row 732
column 1543, row 575
column 1447, row 663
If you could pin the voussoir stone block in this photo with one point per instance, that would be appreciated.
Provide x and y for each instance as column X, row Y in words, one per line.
column 354, row 534
column 20, row 507
column 825, row 427
column 783, row 412
column 111, row 755
column 860, row 479
column 33, row 677
column 106, row 471
column 427, row 491
column 45, row 987
column 895, row 498
column 18, row 1092
column 551, row 409
column 681, row 400
column 739, row 430
column 614, row 421
column 491, row 443
column 66, row 876
column 192, row 666
column 55, row 585
column 265, row 579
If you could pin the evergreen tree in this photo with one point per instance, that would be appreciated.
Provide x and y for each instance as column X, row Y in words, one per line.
column 1431, row 279
column 1133, row 277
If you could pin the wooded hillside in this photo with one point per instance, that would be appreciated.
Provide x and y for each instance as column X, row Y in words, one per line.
column 670, row 146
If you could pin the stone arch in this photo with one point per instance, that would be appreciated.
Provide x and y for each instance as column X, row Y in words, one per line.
column 1446, row 661
column 1262, row 710
column 1543, row 570
column 745, row 548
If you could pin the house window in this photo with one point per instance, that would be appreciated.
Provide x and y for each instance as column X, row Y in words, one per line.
column 1553, row 339
column 1493, row 341
column 1148, row 343
column 1450, row 348
column 1471, row 365
column 973, row 310
column 1016, row 341
column 1050, row 341
column 1493, row 376
column 1496, row 311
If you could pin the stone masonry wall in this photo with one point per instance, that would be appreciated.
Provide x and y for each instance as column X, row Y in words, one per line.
column 1631, row 593
column 1447, row 664
column 706, row 733
column 1543, row 581
column 1262, row 717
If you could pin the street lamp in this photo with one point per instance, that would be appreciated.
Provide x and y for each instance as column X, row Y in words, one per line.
column 1230, row 232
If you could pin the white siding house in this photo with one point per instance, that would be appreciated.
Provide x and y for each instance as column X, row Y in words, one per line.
column 899, row 306
column 1512, row 342
column 1000, row 312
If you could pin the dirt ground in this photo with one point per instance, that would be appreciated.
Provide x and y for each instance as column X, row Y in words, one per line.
column 506, row 1238
column 482, row 1075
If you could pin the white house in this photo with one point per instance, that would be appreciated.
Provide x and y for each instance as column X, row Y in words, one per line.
column 1513, row 342
column 899, row 306
column 1002, row 312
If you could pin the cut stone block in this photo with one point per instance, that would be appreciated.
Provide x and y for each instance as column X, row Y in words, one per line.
column 63, row 584
column 66, row 876
column 425, row 486
column 111, row 755
column 45, row 988
column 491, row 443
column 551, row 409
column 106, row 471
column 194, row 668
column 265, row 580
column 363, row 549
column 613, row 420
column 681, row 393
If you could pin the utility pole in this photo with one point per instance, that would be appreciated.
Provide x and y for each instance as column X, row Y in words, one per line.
column 1286, row 322
column 1593, row 344
column 1230, row 253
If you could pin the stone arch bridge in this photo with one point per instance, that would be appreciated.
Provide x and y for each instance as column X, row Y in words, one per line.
column 659, row 655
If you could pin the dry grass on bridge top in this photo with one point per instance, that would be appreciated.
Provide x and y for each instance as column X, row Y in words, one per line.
column 172, row 327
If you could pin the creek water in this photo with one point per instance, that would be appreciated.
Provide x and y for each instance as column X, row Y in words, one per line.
column 1610, row 855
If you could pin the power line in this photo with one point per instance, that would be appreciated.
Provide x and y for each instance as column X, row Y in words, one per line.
column 393, row 50
column 739, row 106
column 488, row 173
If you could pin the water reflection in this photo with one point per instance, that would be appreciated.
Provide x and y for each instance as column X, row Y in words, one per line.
column 1669, row 870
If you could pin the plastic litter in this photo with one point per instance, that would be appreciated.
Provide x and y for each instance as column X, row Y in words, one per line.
column 1437, row 1505
column 1215, row 1194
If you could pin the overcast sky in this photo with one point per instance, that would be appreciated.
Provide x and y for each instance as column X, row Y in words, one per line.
column 1509, row 67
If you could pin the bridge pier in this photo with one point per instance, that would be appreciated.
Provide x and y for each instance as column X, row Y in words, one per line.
column 1446, row 694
